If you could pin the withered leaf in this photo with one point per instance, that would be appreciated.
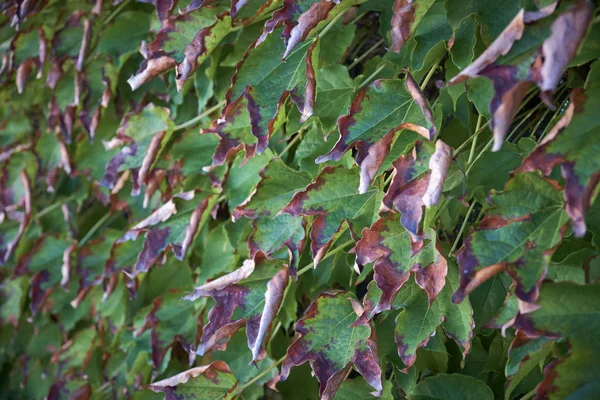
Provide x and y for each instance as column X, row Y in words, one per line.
column 250, row 296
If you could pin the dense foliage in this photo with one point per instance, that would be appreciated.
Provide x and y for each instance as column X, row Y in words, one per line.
column 199, row 197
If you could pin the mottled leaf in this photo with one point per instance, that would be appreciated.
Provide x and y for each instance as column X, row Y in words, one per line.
column 332, row 199
column 566, row 310
column 571, row 145
column 518, row 234
column 325, row 338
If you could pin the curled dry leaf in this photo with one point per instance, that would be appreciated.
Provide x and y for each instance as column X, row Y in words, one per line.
column 438, row 164
column 184, row 41
column 172, row 226
column 250, row 296
column 213, row 381
column 544, row 50
column 409, row 185
column 326, row 339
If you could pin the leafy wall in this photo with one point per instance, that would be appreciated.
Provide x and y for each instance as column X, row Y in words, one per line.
column 211, row 198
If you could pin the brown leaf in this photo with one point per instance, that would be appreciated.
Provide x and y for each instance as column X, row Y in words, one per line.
column 438, row 164
column 568, row 31
column 409, row 184
column 402, row 20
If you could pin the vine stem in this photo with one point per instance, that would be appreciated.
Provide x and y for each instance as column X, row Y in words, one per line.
column 116, row 12
column 462, row 228
column 365, row 54
column 474, row 144
column 373, row 75
column 54, row 206
column 430, row 73
column 95, row 228
column 292, row 142
column 329, row 254
column 257, row 377
column 196, row 119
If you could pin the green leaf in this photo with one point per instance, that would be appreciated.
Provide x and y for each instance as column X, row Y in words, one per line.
column 396, row 255
column 143, row 134
column 266, row 83
column 451, row 387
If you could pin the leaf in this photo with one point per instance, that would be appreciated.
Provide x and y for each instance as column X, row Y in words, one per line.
column 523, row 227
column 451, row 387
column 396, row 255
column 325, row 338
column 300, row 18
column 169, row 319
column 530, row 355
column 332, row 199
column 407, row 15
column 570, row 145
column 265, row 83
column 419, row 318
column 183, row 42
column 15, row 206
column 13, row 294
column 377, row 113
column 271, row 229
column 524, row 53
column 211, row 382
column 565, row 311
column 141, row 137
column 49, row 261
column 409, row 184
column 173, row 226
column 250, row 295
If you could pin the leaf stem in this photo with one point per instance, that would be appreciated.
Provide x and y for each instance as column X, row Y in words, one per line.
column 257, row 377
column 292, row 142
column 365, row 54
column 462, row 228
column 430, row 73
column 54, row 206
column 329, row 254
column 373, row 75
column 116, row 12
column 474, row 144
column 95, row 228
column 197, row 119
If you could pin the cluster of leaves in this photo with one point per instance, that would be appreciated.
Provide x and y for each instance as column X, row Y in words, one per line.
column 176, row 218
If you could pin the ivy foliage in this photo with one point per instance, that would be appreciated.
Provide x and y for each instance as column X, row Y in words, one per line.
column 299, row 199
